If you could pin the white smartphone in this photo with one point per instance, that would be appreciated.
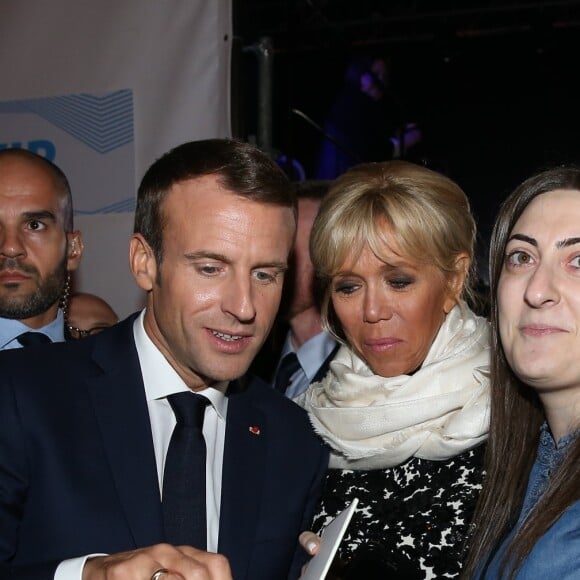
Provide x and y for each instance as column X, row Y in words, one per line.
column 329, row 541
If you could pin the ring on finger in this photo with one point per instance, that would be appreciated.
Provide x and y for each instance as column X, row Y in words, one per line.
column 158, row 573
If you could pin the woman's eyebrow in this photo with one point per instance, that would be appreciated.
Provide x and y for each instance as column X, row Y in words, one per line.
column 523, row 238
column 568, row 242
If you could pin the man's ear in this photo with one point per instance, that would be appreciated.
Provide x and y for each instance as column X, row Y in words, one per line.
column 142, row 262
column 456, row 281
column 74, row 249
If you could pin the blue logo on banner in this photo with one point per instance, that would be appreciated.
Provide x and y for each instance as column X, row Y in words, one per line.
column 41, row 147
column 102, row 123
column 90, row 136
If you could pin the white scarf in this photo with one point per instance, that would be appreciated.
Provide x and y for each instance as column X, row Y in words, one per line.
column 373, row 422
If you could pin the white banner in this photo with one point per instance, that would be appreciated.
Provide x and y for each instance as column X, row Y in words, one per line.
column 103, row 89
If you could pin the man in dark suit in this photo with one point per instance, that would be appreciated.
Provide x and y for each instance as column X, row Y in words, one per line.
column 88, row 433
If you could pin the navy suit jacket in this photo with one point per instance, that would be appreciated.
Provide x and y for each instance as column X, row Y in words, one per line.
column 78, row 472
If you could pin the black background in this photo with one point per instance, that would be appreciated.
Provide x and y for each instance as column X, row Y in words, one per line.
column 494, row 86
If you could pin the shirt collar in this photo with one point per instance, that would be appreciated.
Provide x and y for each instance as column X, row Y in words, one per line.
column 10, row 329
column 161, row 379
column 312, row 353
column 551, row 453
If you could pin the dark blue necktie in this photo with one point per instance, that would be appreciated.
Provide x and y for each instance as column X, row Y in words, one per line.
column 288, row 366
column 32, row 338
column 184, row 506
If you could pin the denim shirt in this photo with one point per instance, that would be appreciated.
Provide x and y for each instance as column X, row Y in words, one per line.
column 557, row 553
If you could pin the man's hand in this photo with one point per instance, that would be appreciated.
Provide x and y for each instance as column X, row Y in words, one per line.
column 182, row 562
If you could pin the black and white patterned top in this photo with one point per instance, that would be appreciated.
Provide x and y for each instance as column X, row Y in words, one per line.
column 412, row 518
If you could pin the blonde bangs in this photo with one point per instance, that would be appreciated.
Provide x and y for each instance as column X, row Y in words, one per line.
column 428, row 215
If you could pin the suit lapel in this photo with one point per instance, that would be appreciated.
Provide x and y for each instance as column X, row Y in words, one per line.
column 122, row 414
column 242, row 479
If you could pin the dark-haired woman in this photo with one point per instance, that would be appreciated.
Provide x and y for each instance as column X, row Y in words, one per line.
column 527, row 522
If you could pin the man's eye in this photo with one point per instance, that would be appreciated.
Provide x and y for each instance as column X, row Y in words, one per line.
column 208, row 270
column 264, row 276
column 35, row 225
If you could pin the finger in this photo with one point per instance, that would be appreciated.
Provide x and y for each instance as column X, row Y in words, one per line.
column 310, row 542
column 194, row 563
column 136, row 564
column 161, row 573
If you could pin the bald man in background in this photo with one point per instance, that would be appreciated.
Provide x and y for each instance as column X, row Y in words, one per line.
column 38, row 249
column 88, row 314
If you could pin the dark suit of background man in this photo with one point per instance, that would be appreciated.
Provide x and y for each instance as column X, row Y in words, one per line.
column 38, row 248
column 84, row 431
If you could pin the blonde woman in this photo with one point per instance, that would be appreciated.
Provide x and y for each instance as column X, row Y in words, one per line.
column 404, row 406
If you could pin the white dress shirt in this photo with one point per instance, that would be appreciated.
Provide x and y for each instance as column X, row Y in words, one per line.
column 160, row 380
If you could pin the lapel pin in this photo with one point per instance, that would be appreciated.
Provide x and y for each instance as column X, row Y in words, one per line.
column 254, row 430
